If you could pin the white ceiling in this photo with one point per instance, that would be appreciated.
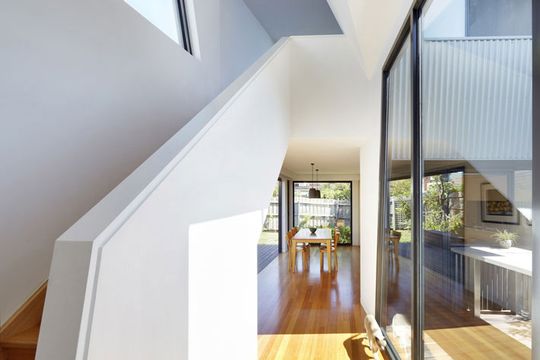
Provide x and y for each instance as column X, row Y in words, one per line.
column 334, row 107
column 336, row 86
column 372, row 25
column 294, row 17
column 330, row 155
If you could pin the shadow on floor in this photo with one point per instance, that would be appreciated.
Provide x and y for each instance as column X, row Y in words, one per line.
column 357, row 347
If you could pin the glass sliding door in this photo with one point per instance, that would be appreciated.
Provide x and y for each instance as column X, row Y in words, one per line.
column 269, row 244
column 476, row 98
column 333, row 209
column 270, row 231
column 395, row 308
column 456, row 239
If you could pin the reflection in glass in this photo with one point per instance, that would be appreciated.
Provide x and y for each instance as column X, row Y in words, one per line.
column 396, row 292
column 477, row 149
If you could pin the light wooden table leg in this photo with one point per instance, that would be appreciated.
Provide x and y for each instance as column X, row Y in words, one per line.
column 477, row 278
column 329, row 254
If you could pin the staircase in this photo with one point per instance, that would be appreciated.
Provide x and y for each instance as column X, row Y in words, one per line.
column 19, row 335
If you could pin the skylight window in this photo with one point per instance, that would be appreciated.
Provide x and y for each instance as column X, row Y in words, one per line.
column 169, row 16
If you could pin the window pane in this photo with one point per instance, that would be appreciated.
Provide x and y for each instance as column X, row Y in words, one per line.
column 477, row 148
column 163, row 14
column 396, row 292
column 270, row 230
column 332, row 210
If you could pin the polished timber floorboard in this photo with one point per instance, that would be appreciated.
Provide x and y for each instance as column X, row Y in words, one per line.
column 451, row 332
column 314, row 315
column 311, row 314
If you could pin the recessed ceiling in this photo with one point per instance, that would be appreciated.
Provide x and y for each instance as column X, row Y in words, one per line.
column 294, row 17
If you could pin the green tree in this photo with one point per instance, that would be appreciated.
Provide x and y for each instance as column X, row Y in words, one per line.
column 440, row 211
column 304, row 221
column 336, row 191
column 400, row 192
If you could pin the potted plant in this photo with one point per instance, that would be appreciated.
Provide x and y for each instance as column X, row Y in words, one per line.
column 505, row 238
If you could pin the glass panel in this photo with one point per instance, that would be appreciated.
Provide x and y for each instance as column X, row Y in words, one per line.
column 268, row 246
column 396, row 292
column 477, row 149
column 163, row 14
column 270, row 232
column 332, row 210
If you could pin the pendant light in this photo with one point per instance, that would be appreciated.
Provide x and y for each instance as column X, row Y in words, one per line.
column 317, row 191
column 312, row 194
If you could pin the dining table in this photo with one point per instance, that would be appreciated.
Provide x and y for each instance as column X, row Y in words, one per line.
column 321, row 236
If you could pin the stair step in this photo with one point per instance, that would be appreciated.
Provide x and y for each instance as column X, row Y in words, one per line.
column 26, row 339
column 17, row 354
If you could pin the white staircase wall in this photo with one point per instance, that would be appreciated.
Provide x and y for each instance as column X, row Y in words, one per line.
column 89, row 90
column 164, row 267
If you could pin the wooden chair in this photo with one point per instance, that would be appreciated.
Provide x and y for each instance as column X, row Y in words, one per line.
column 299, row 247
column 393, row 246
column 334, row 245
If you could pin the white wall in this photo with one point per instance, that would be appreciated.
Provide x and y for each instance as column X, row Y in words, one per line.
column 328, row 89
column 369, row 209
column 89, row 90
column 161, row 271
column 477, row 231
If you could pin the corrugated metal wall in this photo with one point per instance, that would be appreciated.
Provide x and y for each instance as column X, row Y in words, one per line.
column 399, row 106
column 477, row 100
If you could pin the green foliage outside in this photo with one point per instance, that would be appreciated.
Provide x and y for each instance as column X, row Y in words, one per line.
column 336, row 191
column 345, row 236
column 400, row 191
column 275, row 193
column 441, row 211
column 304, row 221
column 269, row 238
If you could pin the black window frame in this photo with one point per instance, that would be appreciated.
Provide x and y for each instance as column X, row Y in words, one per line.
column 183, row 20
column 325, row 182
column 411, row 30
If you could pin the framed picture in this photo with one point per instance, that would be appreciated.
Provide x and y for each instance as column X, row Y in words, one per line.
column 496, row 208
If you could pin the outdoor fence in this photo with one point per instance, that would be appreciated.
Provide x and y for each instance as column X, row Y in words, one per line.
column 272, row 218
column 322, row 212
column 312, row 212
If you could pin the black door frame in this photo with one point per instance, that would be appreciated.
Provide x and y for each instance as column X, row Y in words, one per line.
column 326, row 182
column 411, row 30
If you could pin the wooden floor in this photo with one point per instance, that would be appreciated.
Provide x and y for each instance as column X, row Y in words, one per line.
column 314, row 315
column 452, row 330
column 309, row 314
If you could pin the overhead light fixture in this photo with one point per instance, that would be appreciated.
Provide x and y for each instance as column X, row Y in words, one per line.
column 312, row 194
column 317, row 191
